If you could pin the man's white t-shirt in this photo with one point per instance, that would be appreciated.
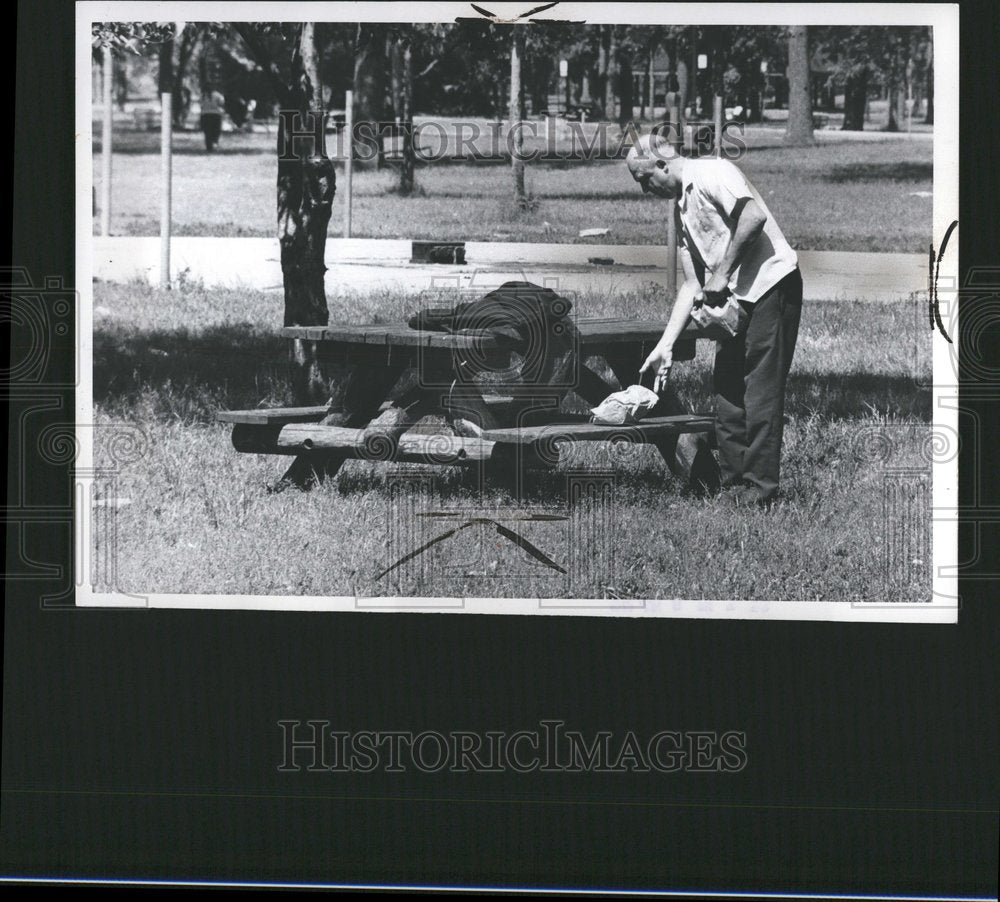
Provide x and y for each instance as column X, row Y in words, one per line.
column 711, row 189
column 213, row 103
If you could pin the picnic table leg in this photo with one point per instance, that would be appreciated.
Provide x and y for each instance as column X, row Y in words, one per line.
column 469, row 415
column 356, row 393
column 689, row 456
column 311, row 468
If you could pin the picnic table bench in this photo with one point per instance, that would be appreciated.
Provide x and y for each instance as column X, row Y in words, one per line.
column 386, row 378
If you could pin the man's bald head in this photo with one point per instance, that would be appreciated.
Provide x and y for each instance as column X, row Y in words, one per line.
column 656, row 165
column 650, row 148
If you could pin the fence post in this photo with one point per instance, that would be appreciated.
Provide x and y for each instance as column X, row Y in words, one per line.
column 107, row 89
column 677, row 140
column 166, row 164
column 717, row 103
column 349, row 160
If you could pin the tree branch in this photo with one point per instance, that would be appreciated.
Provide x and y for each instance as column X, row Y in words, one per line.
column 262, row 56
column 427, row 68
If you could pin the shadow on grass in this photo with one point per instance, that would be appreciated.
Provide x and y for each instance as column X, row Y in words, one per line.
column 467, row 487
column 178, row 375
column 187, row 150
column 189, row 143
column 582, row 194
column 882, row 172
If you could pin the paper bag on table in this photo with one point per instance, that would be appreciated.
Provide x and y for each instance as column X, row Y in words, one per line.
column 627, row 406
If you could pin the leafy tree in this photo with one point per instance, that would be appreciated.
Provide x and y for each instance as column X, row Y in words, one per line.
column 865, row 57
column 289, row 55
column 746, row 47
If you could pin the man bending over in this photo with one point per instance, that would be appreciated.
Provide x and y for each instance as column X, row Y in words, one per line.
column 730, row 245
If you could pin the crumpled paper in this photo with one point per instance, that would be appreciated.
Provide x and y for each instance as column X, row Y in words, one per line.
column 627, row 406
column 722, row 322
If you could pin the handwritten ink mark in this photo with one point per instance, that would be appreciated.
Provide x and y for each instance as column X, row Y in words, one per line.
column 499, row 21
column 935, row 265
column 508, row 534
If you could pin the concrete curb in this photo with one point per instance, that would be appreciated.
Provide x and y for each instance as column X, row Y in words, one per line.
column 360, row 264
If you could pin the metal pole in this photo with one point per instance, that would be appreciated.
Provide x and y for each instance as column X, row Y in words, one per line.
column 165, row 187
column 677, row 139
column 693, row 75
column 717, row 103
column 349, row 159
column 106, row 143
column 676, row 135
column 671, row 250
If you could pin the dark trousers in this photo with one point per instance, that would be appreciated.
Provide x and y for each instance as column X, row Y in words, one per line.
column 211, row 125
column 749, row 381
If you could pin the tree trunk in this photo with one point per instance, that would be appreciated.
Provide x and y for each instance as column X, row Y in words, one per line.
column 683, row 87
column 189, row 38
column 651, row 79
column 800, row 125
column 204, row 78
column 894, row 84
column 906, row 79
column 517, row 113
column 369, row 93
column 611, row 81
column 693, row 72
column 855, row 99
column 625, row 92
column 901, row 105
column 165, row 76
column 753, row 87
column 120, row 69
column 306, row 186
column 539, row 77
column 929, row 83
column 718, row 70
column 406, row 117
column 396, row 78
column 602, row 67
column 892, row 123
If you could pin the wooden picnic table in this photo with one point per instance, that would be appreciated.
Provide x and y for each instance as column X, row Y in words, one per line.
column 385, row 378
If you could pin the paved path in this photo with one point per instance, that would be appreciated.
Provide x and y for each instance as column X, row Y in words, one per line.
column 367, row 264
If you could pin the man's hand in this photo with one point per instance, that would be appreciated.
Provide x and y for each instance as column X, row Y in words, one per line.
column 660, row 360
column 717, row 284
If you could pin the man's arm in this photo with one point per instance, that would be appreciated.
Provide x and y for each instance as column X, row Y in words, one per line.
column 684, row 302
column 662, row 356
column 750, row 220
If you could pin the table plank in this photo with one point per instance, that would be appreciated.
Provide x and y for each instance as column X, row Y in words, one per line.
column 594, row 332
column 646, row 430
column 272, row 416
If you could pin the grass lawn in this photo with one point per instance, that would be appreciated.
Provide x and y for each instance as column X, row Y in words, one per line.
column 843, row 195
column 200, row 518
